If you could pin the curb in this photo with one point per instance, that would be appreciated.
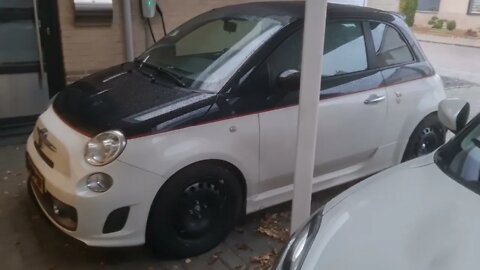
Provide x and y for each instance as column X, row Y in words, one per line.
column 449, row 43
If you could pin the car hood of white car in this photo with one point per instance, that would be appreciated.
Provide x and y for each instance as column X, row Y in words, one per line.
column 412, row 216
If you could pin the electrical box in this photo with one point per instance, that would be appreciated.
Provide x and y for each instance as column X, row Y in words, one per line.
column 148, row 8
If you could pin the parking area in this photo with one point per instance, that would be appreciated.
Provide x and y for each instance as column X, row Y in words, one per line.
column 29, row 241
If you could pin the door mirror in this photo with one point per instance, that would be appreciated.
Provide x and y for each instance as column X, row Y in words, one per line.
column 289, row 80
column 453, row 113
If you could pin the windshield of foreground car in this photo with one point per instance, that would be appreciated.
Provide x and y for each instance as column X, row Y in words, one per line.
column 205, row 54
column 460, row 158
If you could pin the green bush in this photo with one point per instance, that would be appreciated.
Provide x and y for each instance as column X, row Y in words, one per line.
column 409, row 8
column 438, row 24
column 433, row 20
column 451, row 25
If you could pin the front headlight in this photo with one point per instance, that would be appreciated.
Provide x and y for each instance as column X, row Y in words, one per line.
column 295, row 252
column 105, row 148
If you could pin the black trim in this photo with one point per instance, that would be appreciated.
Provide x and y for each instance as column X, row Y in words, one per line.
column 52, row 45
column 116, row 220
column 22, row 67
column 42, row 155
column 462, row 118
column 371, row 55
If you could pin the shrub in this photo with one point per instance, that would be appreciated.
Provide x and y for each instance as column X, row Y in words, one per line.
column 451, row 25
column 433, row 20
column 438, row 24
column 409, row 8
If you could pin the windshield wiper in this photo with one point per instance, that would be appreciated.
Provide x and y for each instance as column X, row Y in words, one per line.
column 174, row 77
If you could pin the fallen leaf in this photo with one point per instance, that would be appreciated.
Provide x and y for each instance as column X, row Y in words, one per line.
column 6, row 192
column 272, row 227
column 265, row 261
column 5, row 178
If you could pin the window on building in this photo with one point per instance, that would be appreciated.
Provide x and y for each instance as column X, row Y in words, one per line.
column 474, row 7
column 18, row 48
column 390, row 47
column 428, row 5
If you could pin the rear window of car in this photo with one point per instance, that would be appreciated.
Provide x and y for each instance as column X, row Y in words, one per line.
column 390, row 47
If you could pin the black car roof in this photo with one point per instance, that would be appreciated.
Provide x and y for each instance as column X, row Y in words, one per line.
column 295, row 10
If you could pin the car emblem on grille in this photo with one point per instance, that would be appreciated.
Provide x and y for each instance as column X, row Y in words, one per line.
column 43, row 140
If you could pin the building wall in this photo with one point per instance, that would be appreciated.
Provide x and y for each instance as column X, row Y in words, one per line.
column 87, row 49
column 451, row 10
column 390, row 5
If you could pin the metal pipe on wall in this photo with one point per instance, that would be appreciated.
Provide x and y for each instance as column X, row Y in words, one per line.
column 127, row 25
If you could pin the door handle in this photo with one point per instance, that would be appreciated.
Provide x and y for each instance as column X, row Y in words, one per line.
column 374, row 99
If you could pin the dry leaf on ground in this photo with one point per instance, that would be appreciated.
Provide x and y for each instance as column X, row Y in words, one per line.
column 272, row 226
column 265, row 261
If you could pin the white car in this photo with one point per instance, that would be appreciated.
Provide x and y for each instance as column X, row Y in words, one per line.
column 175, row 147
column 422, row 214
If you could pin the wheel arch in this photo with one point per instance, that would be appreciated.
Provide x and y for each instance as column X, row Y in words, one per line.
column 405, row 143
column 210, row 162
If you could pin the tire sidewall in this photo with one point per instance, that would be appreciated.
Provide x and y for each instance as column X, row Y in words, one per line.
column 161, row 233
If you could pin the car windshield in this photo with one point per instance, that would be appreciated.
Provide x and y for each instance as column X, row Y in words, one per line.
column 204, row 54
column 460, row 158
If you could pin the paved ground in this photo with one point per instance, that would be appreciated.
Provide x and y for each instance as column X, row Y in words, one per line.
column 454, row 61
column 29, row 241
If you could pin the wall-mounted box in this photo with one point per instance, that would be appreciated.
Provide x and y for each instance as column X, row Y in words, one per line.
column 93, row 12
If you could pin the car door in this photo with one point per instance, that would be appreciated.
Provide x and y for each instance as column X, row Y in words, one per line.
column 408, row 82
column 352, row 110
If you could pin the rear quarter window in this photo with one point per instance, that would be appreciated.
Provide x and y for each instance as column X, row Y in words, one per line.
column 390, row 47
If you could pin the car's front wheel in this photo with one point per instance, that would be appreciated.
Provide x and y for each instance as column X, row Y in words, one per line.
column 427, row 136
column 194, row 211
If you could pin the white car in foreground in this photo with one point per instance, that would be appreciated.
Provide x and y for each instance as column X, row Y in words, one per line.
column 175, row 147
column 422, row 214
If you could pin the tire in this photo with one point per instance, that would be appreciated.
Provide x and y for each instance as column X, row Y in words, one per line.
column 427, row 136
column 194, row 211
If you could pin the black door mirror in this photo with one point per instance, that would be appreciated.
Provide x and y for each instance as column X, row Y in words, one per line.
column 289, row 80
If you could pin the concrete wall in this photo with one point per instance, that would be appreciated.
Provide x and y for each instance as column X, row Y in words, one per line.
column 451, row 10
column 87, row 49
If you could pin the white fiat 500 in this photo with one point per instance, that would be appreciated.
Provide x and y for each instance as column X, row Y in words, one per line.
column 176, row 146
column 422, row 214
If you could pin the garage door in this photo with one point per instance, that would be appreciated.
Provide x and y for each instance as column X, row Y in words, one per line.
column 350, row 2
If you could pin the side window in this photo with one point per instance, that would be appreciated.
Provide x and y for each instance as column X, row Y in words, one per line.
column 345, row 50
column 390, row 48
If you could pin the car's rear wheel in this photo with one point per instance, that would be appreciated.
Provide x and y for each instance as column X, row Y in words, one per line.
column 427, row 136
column 194, row 211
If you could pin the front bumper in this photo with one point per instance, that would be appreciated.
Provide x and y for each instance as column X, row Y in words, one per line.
column 115, row 218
